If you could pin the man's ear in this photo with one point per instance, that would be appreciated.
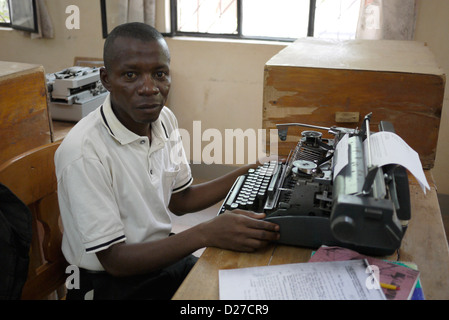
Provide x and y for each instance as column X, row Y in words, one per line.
column 105, row 78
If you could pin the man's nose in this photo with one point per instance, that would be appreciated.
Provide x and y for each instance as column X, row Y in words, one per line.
column 148, row 86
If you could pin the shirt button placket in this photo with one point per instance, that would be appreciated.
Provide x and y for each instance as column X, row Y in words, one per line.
column 149, row 162
column 142, row 142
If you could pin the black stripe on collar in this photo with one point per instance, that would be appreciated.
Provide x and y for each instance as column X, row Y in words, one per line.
column 105, row 121
column 165, row 130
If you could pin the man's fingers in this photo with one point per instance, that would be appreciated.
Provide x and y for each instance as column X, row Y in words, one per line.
column 266, row 235
column 250, row 214
column 247, row 231
column 256, row 221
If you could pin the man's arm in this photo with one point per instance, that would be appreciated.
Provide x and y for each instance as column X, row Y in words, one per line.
column 239, row 231
column 242, row 231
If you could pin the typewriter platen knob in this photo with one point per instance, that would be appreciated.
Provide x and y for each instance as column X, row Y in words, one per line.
column 343, row 228
column 311, row 138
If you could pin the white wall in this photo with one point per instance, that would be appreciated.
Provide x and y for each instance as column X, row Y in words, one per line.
column 432, row 27
column 58, row 53
column 219, row 83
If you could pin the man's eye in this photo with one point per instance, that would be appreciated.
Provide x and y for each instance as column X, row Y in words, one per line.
column 161, row 74
column 130, row 75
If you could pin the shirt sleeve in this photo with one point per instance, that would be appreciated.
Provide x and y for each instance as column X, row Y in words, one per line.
column 91, row 202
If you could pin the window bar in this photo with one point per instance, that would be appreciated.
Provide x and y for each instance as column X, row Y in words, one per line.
column 104, row 22
column 311, row 26
column 173, row 17
column 239, row 17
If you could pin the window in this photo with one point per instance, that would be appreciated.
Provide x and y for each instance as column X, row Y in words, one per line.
column 5, row 20
column 266, row 19
column 18, row 14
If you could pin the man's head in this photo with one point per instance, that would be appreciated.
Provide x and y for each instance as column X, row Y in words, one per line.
column 136, row 74
column 135, row 30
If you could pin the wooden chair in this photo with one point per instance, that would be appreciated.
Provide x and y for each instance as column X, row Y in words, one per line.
column 31, row 177
column 24, row 119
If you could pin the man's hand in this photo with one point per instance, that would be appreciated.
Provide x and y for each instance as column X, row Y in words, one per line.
column 240, row 231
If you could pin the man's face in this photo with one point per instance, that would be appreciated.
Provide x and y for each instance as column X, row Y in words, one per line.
column 138, row 80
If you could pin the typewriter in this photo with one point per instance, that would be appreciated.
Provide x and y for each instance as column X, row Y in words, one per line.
column 362, row 207
column 74, row 92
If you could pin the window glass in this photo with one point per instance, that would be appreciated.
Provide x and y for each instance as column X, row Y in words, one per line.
column 336, row 19
column 208, row 16
column 271, row 19
column 4, row 12
column 280, row 18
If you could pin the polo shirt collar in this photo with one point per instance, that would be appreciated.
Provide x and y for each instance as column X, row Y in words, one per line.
column 122, row 134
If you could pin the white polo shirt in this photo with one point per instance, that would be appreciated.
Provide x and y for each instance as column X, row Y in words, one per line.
column 115, row 186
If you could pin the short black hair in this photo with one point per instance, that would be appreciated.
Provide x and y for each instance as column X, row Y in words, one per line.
column 136, row 30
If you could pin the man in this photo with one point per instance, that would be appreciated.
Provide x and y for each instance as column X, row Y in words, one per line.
column 117, row 179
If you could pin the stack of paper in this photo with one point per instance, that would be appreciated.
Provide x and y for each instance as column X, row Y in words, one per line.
column 341, row 280
column 389, row 272
column 333, row 273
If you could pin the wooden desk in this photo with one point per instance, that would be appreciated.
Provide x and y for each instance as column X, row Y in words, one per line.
column 425, row 244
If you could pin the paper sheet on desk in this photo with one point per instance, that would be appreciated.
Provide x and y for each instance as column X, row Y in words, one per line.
column 386, row 148
column 338, row 280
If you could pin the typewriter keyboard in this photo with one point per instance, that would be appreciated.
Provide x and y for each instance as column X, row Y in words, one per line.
column 250, row 191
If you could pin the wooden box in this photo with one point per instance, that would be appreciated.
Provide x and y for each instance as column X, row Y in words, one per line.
column 24, row 119
column 326, row 83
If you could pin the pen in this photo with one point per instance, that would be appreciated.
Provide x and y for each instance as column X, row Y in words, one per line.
column 389, row 286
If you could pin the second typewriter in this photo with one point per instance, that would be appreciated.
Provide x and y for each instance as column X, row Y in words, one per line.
column 362, row 207
column 74, row 93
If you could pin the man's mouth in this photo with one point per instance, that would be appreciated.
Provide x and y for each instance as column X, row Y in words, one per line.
column 149, row 106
